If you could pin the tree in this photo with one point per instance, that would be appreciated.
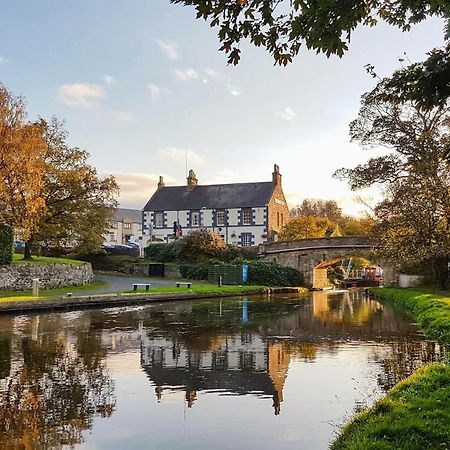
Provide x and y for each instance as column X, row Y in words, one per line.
column 415, row 215
column 304, row 227
column 283, row 26
column 318, row 208
column 21, row 167
column 79, row 203
column 202, row 244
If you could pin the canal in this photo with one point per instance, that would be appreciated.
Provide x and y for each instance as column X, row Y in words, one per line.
column 237, row 373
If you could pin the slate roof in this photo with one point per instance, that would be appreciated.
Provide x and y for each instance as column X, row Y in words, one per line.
column 237, row 195
column 127, row 215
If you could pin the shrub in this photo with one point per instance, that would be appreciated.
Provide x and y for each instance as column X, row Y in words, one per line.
column 260, row 272
column 109, row 263
column 202, row 244
column 6, row 245
column 270, row 273
column 164, row 252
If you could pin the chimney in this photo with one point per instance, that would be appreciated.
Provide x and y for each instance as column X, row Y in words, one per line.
column 192, row 179
column 276, row 175
column 161, row 182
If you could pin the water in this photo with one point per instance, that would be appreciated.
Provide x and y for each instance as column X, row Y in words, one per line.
column 240, row 373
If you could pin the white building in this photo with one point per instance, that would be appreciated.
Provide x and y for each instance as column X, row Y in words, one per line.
column 244, row 214
column 125, row 227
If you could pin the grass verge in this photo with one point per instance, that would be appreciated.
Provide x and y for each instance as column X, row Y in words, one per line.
column 203, row 289
column 18, row 259
column 415, row 414
column 17, row 296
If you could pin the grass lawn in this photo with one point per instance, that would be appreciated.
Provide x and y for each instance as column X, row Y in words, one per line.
column 415, row 414
column 18, row 259
column 17, row 296
column 202, row 289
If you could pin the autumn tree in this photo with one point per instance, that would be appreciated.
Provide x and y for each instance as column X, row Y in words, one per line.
column 202, row 244
column 79, row 203
column 318, row 208
column 22, row 147
column 304, row 227
column 414, row 172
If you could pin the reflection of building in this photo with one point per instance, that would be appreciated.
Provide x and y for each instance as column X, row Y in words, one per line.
column 241, row 364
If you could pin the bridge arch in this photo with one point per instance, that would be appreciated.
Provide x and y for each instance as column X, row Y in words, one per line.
column 311, row 257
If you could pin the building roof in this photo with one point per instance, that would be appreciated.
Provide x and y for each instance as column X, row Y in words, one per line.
column 127, row 215
column 237, row 195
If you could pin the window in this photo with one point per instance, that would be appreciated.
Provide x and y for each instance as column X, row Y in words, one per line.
column 246, row 239
column 278, row 219
column 220, row 218
column 159, row 219
column 113, row 225
column 282, row 219
column 247, row 216
column 246, row 360
column 127, row 226
column 195, row 219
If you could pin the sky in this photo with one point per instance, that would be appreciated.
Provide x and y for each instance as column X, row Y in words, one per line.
column 141, row 84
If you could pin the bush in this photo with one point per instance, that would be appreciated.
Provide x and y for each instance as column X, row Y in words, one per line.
column 6, row 245
column 201, row 245
column 197, row 271
column 260, row 272
column 164, row 252
column 270, row 273
column 108, row 263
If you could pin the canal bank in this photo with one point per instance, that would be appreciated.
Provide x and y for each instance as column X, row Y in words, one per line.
column 19, row 305
column 415, row 414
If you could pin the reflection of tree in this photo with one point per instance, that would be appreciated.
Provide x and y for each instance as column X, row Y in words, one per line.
column 5, row 356
column 53, row 397
column 404, row 358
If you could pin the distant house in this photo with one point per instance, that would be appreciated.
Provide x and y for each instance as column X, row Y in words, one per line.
column 244, row 214
column 125, row 226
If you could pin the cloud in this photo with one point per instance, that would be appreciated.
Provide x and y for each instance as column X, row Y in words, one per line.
column 124, row 116
column 209, row 75
column 3, row 60
column 155, row 91
column 234, row 90
column 179, row 155
column 80, row 94
column 170, row 49
column 225, row 176
column 137, row 188
column 184, row 75
column 287, row 114
column 109, row 80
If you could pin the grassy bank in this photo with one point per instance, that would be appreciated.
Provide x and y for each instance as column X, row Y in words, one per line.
column 415, row 414
column 18, row 259
column 430, row 309
column 17, row 296
column 201, row 289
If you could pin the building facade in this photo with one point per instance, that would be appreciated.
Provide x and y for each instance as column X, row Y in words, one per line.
column 125, row 227
column 244, row 214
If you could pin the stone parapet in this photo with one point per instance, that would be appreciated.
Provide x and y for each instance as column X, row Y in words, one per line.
column 18, row 277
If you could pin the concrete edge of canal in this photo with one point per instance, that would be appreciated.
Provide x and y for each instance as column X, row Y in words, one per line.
column 119, row 299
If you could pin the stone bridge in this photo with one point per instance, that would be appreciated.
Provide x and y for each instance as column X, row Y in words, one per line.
column 312, row 257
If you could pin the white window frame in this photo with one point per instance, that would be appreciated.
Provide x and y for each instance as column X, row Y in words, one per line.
column 247, row 217
column 220, row 218
column 246, row 240
column 195, row 219
column 159, row 219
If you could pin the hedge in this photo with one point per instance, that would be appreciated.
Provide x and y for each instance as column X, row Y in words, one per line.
column 6, row 245
column 262, row 273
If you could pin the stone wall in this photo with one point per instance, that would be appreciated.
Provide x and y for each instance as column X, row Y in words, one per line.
column 18, row 277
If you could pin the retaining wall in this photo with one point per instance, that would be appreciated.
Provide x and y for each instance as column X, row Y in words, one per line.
column 18, row 277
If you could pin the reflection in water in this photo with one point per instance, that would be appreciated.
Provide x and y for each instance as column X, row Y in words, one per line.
column 55, row 386
column 54, row 375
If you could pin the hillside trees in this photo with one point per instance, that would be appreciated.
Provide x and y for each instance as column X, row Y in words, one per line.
column 48, row 191
column 415, row 172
